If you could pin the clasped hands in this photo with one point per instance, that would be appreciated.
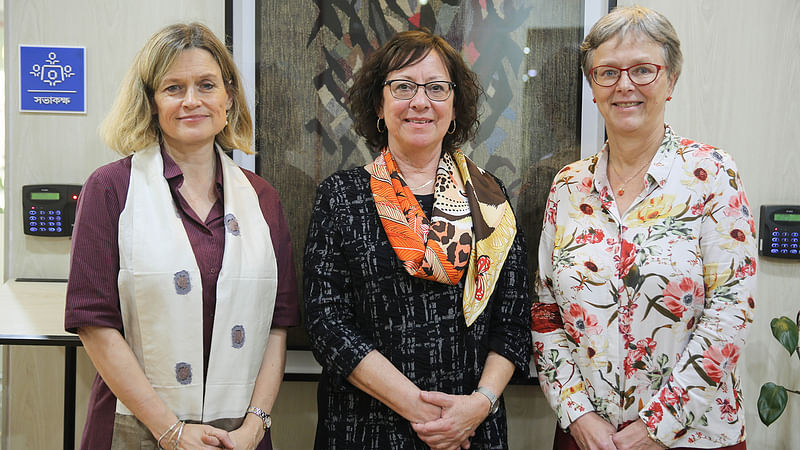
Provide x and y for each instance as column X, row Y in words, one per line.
column 206, row 437
column 447, row 422
column 592, row 432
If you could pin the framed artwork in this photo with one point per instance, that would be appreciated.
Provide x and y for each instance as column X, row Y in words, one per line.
column 525, row 53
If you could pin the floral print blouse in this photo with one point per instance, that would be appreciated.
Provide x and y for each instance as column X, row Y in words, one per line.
column 644, row 314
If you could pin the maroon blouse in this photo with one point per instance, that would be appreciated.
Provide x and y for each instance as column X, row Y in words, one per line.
column 92, row 294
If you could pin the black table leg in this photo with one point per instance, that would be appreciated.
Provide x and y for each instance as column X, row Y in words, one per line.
column 69, row 397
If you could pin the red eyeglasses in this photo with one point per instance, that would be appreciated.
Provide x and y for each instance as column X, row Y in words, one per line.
column 639, row 74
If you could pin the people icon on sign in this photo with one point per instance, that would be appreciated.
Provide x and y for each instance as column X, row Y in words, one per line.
column 52, row 73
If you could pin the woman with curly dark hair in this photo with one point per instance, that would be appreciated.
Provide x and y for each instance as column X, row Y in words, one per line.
column 416, row 286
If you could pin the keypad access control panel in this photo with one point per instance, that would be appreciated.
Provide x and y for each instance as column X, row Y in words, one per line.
column 49, row 209
column 779, row 234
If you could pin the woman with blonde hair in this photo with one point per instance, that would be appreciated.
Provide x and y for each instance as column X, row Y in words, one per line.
column 181, row 281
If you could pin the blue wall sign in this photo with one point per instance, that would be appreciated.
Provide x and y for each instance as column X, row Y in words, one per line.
column 52, row 79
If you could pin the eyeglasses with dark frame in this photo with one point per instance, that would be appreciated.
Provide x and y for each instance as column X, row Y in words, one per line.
column 437, row 91
column 639, row 74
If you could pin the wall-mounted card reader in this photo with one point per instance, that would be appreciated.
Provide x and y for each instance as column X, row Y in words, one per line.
column 49, row 209
column 779, row 233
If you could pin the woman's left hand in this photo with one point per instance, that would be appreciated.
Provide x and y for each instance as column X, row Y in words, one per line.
column 247, row 436
column 461, row 415
column 635, row 437
column 204, row 436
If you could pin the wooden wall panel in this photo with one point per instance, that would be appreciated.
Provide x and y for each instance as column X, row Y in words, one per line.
column 36, row 397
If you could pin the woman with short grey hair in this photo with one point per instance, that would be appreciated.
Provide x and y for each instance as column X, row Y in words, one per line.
column 646, row 264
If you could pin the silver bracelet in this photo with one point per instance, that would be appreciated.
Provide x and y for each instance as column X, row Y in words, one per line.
column 494, row 404
column 158, row 443
column 180, row 432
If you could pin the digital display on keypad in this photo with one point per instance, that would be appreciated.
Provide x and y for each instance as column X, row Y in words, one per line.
column 787, row 217
column 45, row 196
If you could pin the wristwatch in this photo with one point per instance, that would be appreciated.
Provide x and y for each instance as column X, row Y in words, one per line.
column 495, row 404
column 262, row 415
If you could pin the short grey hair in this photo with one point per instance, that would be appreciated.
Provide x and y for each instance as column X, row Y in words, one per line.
column 639, row 20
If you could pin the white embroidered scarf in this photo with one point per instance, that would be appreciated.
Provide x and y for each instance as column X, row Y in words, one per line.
column 161, row 294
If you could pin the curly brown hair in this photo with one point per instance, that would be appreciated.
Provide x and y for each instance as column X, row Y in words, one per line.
column 406, row 48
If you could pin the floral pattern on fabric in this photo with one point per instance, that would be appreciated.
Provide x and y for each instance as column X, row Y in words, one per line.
column 644, row 314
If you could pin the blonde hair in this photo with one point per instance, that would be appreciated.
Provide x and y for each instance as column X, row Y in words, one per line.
column 132, row 123
column 642, row 21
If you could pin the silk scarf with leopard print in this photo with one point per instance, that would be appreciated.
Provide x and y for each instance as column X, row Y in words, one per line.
column 471, row 229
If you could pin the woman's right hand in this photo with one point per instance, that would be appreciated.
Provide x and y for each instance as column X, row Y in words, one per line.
column 592, row 432
column 379, row 378
column 425, row 412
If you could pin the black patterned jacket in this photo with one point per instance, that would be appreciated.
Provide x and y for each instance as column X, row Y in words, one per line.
column 359, row 298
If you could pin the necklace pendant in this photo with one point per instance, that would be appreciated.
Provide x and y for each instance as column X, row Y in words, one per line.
column 620, row 191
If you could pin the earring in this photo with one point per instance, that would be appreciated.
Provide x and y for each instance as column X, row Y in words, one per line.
column 449, row 131
column 378, row 125
column 594, row 100
column 669, row 98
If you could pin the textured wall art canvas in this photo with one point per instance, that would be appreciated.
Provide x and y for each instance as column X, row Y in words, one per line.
column 525, row 53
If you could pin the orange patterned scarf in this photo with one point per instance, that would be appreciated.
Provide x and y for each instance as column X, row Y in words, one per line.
column 472, row 226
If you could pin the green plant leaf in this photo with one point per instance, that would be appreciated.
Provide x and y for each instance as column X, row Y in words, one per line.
column 785, row 331
column 771, row 402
